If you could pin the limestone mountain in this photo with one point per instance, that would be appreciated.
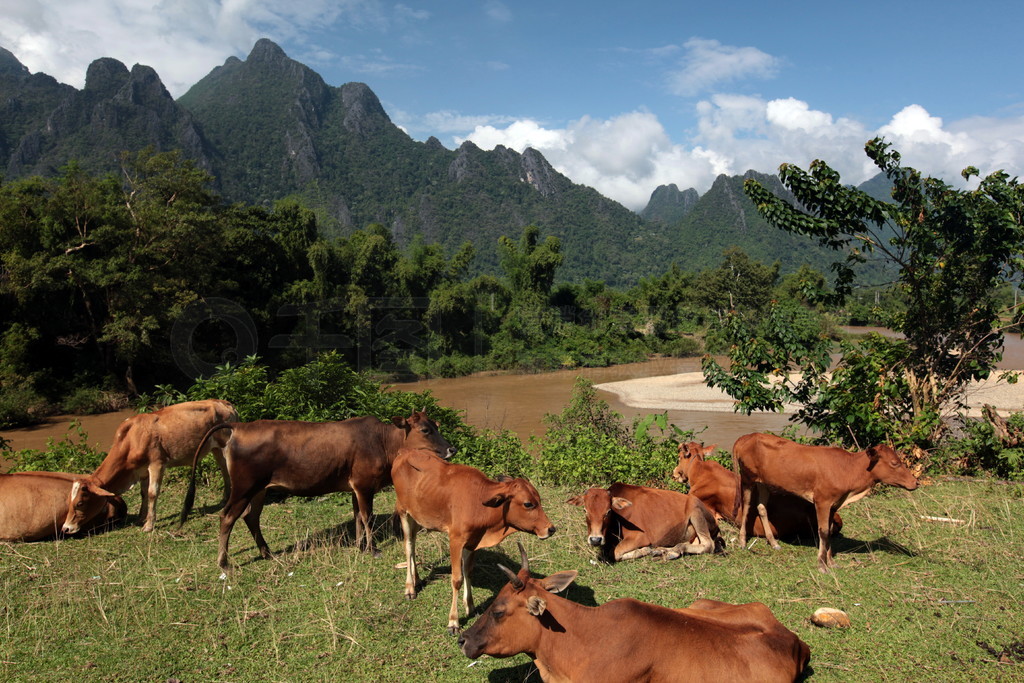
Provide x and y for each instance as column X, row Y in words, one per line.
column 46, row 124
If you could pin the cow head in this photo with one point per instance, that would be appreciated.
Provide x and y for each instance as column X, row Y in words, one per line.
column 598, row 505
column 689, row 453
column 422, row 432
column 522, row 508
column 86, row 501
column 888, row 468
column 514, row 621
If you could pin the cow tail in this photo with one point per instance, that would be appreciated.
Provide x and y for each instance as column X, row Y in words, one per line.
column 190, row 494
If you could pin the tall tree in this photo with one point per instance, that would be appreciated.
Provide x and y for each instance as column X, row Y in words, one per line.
column 952, row 248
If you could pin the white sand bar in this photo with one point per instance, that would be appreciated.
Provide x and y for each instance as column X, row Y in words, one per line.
column 687, row 391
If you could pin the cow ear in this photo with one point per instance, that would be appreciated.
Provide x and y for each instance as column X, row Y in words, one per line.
column 99, row 491
column 496, row 501
column 620, row 503
column 556, row 583
column 575, row 500
column 502, row 478
column 535, row 605
column 708, row 450
column 873, row 455
column 400, row 422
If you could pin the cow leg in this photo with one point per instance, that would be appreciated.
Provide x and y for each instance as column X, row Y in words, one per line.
column 252, row 520
column 362, row 508
column 222, row 465
column 639, row 552
column 703, row 544
column 457, row 552
column 409, row 529
column 762, row 511
column 743, row 520
column 823, row 511
column 468, row 556
column 150, row 491
column 228, row 516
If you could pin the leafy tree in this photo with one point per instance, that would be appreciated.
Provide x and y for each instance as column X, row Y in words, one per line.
column 738, row 283
column 952, row 247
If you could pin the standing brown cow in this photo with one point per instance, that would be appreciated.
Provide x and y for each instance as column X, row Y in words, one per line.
column 790, row 516
column 827, row 476
column 475, row 511
column 629, row 521
column 33, row 506
column 311, row 459
column 143, row 446
column 629, row 640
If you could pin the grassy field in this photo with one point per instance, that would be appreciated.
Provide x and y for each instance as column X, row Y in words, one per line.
column 929, row 600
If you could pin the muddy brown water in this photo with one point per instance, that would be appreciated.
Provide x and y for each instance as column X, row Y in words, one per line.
column 515, row 402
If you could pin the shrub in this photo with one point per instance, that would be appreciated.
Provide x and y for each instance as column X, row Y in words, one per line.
column 20, row 406
column 71, row 454
column 590, row 444
column 92, row 400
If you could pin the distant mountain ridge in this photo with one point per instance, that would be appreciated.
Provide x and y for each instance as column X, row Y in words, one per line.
column 268, row 127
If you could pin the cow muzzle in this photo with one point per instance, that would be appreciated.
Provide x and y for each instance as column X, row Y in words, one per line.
column 596, row 540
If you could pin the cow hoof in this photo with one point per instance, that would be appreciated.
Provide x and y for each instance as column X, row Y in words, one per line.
column 672, row 555
column 454, row 630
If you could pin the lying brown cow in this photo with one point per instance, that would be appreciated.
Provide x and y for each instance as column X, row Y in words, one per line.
column 829, row 477
column 790, row 516
column 629, row 640
column 143, row 446
column 33, row 506
column 475, row 511
column 629, row 521
column 311, row 459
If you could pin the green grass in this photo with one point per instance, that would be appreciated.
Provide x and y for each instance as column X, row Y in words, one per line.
column 126, row 606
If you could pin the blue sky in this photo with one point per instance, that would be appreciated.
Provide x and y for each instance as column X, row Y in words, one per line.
column 619, row 96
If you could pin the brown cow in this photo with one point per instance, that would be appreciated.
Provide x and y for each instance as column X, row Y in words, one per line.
column 827, row 476
column 475, row 511
column 33, row 506
column 628, row 522
column 311, row 459
column 629, row 640
column 790, row 516
column 143, row 446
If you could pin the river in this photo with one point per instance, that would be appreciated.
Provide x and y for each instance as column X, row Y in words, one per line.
column 518, row 402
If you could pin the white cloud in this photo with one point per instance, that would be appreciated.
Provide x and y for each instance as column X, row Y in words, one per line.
column 497, row 11
column 626, row 157
column 182, row 40
column 708, row 63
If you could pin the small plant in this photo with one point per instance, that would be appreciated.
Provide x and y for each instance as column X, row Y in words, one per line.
column 71, row 454
column 590, row 444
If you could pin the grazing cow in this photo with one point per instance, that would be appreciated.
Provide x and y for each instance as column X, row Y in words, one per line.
column 311, row 459
column 33, row 506
column 475, row 511
column 629, row 521
column 629, row 640
column 826, row 476
column 143, row 446
column 790, row 516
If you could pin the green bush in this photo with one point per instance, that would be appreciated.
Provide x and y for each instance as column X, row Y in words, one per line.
column 589, row 444
column 92, row 400
column 19, row 406
column 71, row 454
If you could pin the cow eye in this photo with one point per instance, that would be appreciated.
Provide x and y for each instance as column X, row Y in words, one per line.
column 497, row 614
column 528, row 505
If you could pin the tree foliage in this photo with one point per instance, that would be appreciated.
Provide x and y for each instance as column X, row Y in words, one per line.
column 952, row 248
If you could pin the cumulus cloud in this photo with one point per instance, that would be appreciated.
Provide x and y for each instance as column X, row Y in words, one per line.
column 708, row 63
column 182, row 40
column 627, row 156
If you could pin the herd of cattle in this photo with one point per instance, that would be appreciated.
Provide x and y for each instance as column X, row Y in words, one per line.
column 777, row 489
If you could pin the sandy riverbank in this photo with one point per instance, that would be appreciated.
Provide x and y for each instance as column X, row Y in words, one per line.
column 687, row 391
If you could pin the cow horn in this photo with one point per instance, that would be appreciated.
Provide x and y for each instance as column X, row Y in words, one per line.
column 516, row 582
column 523, row 560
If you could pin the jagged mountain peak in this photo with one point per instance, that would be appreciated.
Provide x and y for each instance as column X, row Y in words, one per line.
column 266, row 50
column 105, row 77
column 9, row 64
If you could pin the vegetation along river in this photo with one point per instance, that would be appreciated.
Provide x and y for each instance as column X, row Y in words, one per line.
column 519, row 403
